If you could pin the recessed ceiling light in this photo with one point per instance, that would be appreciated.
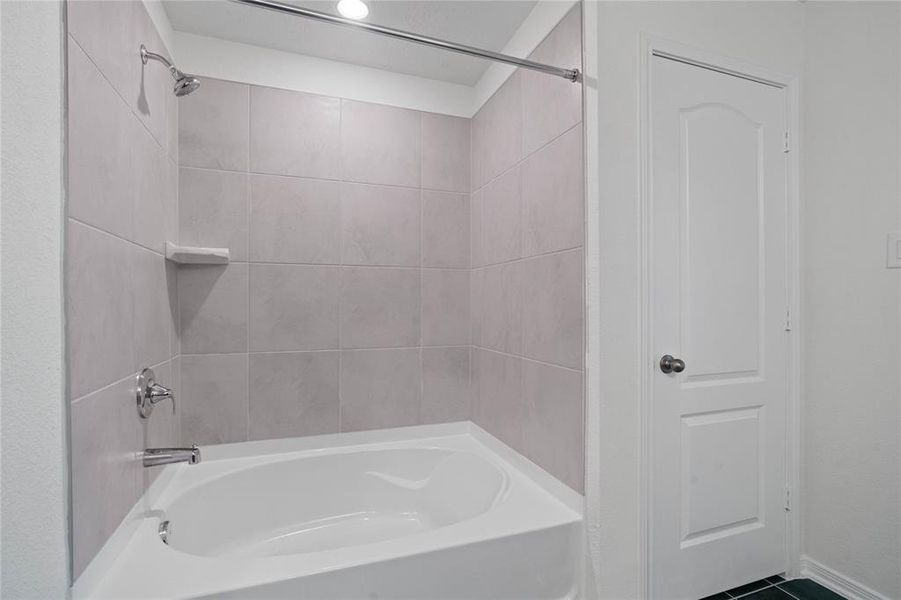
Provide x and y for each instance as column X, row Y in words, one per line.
column 353, row 9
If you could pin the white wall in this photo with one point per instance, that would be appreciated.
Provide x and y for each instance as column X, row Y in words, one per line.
column 852, row 459
column 848, row 54
column 33, row 506
column 769, row 34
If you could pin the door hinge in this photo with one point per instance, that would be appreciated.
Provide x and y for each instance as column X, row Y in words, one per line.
column 788, row 499
column 788, row 318
column 787, row 147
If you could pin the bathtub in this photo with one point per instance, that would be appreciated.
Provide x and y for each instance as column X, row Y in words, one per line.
column 443, row 511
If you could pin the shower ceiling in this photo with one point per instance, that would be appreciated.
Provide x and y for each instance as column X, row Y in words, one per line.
column 486, row 24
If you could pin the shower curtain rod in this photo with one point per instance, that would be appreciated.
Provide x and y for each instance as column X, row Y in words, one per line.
column 570, row 74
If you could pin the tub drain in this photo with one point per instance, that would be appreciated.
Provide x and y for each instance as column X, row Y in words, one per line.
column 164, row 532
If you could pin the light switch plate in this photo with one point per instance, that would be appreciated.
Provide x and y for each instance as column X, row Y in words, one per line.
column 893, row 250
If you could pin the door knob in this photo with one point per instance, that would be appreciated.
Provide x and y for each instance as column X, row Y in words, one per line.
column 670, row 364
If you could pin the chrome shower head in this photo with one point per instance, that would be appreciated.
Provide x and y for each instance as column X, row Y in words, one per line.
column 184, row 83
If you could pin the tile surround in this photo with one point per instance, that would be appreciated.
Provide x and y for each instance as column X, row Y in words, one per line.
column 497, row 132
column 379, row 388
column 501, row 304
column 100, row 308
column 501, row 220
column 213, row 126
column 154, row 216
column 552, row 419
column 368, row 300
column 212, row 307
column 561, row 47
column 120, row 293
column 105, row 437
column 295, row 220
column 526, row 288
column 351, row 250
column 444, row 288
column 379, row 307
column 446, row 395
column 212, row 210
column 445, row 307
column 213, row 403
column 445, row 153
column 294, row 393
column 293, row 307
column 552, row 309
column 499, row 406
column 154, row 309
column 294, row 134
column 99, row 174
column 380, row 144
column 552, row 196
column 445, row 230
column 380, row 225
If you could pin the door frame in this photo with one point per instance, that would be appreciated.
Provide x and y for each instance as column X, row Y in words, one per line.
column 651, row 46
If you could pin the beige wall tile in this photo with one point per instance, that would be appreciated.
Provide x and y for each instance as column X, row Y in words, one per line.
column 293, row 393
column 379, row 388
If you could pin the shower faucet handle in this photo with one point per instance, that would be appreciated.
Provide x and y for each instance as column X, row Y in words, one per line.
column 149, row 393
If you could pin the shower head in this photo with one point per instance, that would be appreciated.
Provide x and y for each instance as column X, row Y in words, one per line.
column 184, row 83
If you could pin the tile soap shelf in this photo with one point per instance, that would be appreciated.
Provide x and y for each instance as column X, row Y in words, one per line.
column 194, row 255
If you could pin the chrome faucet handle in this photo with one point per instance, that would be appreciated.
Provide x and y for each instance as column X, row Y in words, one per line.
column 158, row 393
column 148, row 393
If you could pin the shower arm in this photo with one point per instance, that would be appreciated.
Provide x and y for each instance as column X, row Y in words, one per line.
column 573, row 75
column 148, row 55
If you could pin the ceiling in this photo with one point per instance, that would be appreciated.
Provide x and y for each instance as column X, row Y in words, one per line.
column 487, row 24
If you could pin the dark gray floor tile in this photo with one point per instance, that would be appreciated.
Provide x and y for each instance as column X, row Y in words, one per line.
column 770, row 593
column 748, row 588
column 805, row 589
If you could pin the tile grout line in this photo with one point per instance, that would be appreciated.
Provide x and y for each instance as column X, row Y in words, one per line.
column 340, row 273
column 178, row 434
column 358, row 266
column 530, row 359
column 421, row 281
column 247, row 208
column 114, row 383
column 528, row 258
column 766, row 587
column 782, row 589
column 251, row 173
column 116, row 92
column 522, row 284
column 523, row 159
column 474, row 394
column 116, row 236
column 419, row 418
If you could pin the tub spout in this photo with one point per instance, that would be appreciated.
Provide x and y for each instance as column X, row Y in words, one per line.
column 153, row 457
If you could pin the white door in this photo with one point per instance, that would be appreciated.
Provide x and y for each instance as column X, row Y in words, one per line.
column 718, row 303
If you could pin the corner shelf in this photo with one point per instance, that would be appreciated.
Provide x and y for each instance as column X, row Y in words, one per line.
column 195, row 255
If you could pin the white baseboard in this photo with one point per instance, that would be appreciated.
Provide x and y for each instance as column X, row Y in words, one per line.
column 838, row 583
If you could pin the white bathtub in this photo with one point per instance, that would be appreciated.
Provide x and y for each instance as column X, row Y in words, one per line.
column 424, row 512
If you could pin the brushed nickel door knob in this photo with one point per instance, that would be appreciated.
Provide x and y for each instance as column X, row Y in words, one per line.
column 670, row 364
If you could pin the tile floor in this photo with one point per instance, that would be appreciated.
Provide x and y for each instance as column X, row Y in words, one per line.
column 777, row 588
